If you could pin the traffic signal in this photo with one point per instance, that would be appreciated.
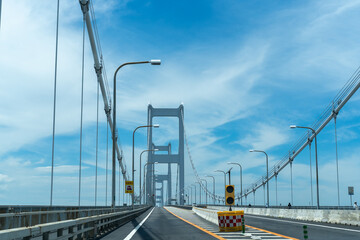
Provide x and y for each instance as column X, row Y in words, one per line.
column 229, row 195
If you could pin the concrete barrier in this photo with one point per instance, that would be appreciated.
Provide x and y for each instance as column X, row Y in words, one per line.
column 346, row 217
column 207, row 214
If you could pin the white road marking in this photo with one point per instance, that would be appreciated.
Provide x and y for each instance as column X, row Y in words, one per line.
column 308, row 224
column 128, row 237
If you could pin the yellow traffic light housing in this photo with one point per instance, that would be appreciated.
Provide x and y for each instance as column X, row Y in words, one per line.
column 230, row 195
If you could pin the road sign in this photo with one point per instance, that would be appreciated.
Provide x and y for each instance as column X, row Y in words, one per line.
column 351, row 190
column 129, row 187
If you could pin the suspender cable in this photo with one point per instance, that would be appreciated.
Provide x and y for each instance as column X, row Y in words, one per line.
column 107, row 162
column 97, row 140
column 54, row 109
column 82, row 104
column 0, row 13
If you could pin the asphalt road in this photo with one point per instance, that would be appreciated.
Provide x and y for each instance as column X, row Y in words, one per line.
column 160, row 225
column 294, row 228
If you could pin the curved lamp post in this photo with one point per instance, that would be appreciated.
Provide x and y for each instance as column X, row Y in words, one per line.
column 240, row 180
column 133, row 150
column 316, row 162
column 224, row 178
column 213, row 186
column 152, row 62
column 267, row 173
column 206, row 194
column 147, row 150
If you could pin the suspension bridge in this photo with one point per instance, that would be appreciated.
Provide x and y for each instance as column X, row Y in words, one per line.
column 167, row 204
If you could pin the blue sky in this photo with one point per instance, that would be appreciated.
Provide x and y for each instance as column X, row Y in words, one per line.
column 244, row 70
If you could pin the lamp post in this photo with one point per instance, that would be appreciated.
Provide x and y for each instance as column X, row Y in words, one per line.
column 144, row 173
column 240, row 180
column 194, row 185
column 267, row 173
column 133, row 150
column 152, row 62
column 316, row 162
column 224, row 175
column 147, row 150
column 213, row 186
column 199, row 191
column 224, row 178
column 206, row 194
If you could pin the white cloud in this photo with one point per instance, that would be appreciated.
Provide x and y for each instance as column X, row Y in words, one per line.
column 265, row 137
column 62, row 169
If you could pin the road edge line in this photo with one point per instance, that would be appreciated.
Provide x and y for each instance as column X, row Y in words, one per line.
column 194, row 225
column 131, row 234
column 277, row 234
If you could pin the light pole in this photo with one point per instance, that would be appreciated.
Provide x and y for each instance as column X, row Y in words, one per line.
column 199, row 191
column 147, row 150
column 144, row 173
column 152, row 62
column 267, row 173
column 240, row 180
column 192, row 201
column 206, row 194
column 194, row 185
column 133, row 153
column 213, row 186
column 316, row 162
column 224, row 179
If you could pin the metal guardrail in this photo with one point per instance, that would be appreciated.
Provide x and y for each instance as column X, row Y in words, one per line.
column 81, row 228
column 26, row 216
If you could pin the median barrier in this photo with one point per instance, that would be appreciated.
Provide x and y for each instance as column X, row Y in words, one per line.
column 346, row 217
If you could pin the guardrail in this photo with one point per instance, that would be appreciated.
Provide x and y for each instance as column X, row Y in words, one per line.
column 26, row 216
column 82, row 228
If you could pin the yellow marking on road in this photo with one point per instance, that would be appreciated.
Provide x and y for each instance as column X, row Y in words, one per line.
column 263, row 230
column 202, row 229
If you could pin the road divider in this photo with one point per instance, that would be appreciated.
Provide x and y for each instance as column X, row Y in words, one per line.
column 346, row 217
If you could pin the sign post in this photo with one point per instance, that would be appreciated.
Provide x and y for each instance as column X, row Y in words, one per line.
column 129, row 187
column 351, row 193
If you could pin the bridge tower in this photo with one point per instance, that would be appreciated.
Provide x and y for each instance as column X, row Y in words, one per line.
column 170, row 158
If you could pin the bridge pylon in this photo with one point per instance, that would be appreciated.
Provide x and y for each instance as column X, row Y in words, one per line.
column 169, row 158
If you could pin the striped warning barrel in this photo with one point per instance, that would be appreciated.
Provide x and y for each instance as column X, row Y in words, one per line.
column 230, row 221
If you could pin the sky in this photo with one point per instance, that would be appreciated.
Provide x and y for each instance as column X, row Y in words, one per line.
column 244, row 71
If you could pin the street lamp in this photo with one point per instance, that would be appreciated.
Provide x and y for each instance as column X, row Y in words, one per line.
column 152, row 62
column 224, row 178
column 133, row 150
column 240, row 180
column 213, row 186
column 147, row 150
column 267, row 173
column 199, row 182
column 194, row 185
column 205, row 190
column 316, row 162
column 144, row 175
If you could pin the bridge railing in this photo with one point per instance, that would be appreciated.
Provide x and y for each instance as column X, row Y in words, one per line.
column 26, row 216
column 81, row 228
